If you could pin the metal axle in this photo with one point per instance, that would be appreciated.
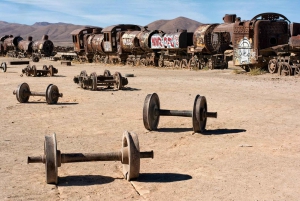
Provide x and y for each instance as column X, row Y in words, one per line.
column 86, row 157
column 182, row 113
column 29, row 93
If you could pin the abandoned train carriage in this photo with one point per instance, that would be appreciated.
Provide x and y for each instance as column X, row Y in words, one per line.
column 106, row 45
column 249, row 44
column 18, row 47
column 84, row 49
column 254, row 38
column 43, row 47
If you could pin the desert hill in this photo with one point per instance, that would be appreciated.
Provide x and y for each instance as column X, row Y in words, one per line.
column 59, row 33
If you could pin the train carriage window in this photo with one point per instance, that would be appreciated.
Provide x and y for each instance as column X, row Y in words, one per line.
column 273, row 41
column 75, row 39
column 106, row 37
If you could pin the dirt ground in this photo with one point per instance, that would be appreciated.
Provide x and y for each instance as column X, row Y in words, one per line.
column 250, row 152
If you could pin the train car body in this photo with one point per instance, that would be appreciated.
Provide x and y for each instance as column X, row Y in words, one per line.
column 170, row 48
column 259, row 42
column 43, row 47
column 18, row 47
column 253, row 39
column 116, row 47
column 87, row 42
column 287, row 59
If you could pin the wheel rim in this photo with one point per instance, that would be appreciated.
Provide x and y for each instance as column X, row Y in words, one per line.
column 297, row 71
column 285, row 69
column 272, row 66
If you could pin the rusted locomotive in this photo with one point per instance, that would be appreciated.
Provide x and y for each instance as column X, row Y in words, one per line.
column 18, row 47
column 287, row 59
column 249, row 44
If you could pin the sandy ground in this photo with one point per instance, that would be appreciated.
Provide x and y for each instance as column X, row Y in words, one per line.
column 250, row 152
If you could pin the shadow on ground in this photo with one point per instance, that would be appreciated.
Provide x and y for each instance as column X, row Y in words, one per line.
column 84, row 180
column 223, row 131
column 163, row 177
column 174, row 130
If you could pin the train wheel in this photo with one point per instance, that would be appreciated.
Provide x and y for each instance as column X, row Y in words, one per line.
column 273, row 66
column 285, row 69
column 176, row 63
column 34, row 71
column 297, row 71
column 192, row 64
column 136, row 62
column 211, row 65
column 143, row 62
column 183, row 63
column 160, row 63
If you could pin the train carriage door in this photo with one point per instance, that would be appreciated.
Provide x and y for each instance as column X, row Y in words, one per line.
column 107, row 42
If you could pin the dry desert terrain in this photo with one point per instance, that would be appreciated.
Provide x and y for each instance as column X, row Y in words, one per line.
column 250, row 152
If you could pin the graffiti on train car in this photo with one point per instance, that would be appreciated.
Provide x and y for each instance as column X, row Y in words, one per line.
column 128, row 39
column 156, row 41
column 171, row 40
column 107, row 46
column 244, row 54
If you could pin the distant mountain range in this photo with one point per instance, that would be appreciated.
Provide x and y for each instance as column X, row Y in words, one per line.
column 59, row 33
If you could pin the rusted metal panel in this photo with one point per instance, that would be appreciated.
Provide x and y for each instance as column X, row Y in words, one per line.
column 121, row 27
column 205, row 40
column 95, row 42
column 43, row 46
column 130, row 41
column 229, row 18
column 145, row 39
column 11, row 43
column 256, row 37
column 25, row 46
column 295, row 42
column 295, row 29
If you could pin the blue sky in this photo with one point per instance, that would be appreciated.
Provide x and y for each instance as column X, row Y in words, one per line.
column 141, row 12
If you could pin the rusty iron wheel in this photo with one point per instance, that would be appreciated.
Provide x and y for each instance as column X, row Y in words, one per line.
column 210, row 64
column 183, row 63
column 131, row 143
column 51, row 70
column 199, row 114
column 94, row 81
column 143, row 62
column 285, row 69
column 27, row 70
column 82, row 76
column 297, row 71
column 136, row 62
column 50, row 151
column 118, row 81
column 22, row 93
column 3, row 66
column 273, row 66
column 106, row 73
column 161, row 63
column 150, row 116
column 176, row 63
column 34, row 73
column 52, row 94
column 192, row 63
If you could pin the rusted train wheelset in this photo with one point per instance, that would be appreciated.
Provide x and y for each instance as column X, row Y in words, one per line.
column 107, row 80
column 32, row 71
column 129, row 156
